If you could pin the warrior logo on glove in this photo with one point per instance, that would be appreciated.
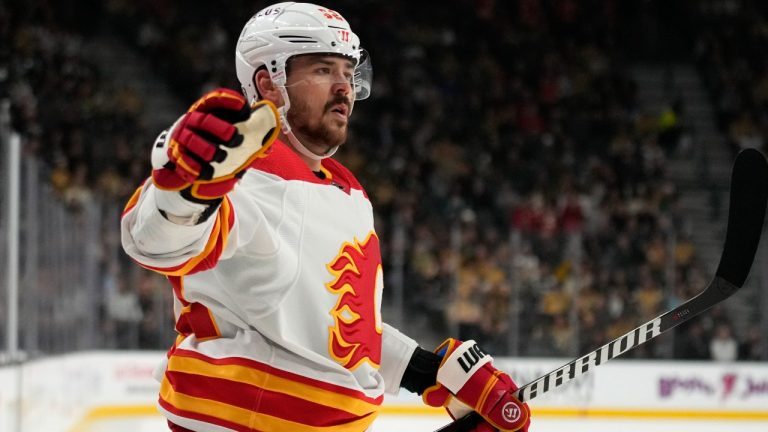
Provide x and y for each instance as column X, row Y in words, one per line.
column 511, row 412
column 470, row 357
column 467, row 381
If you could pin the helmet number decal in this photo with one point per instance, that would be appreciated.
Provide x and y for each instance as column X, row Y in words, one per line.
column 343, row 35
column 331, row 14
column 268, row 12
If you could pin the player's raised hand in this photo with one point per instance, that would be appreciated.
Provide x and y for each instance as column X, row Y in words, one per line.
column 467, row 380
column 207, row 150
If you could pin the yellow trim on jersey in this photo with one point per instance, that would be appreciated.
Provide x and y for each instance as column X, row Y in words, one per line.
column 248, row 418
column 109, row 412
column 220, row 226
column 133, row 199
column 267, row 381
column 326, row 173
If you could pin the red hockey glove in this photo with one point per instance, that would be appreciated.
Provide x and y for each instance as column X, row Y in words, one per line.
column 438, row 396
column 208, row 149
column 467, row 374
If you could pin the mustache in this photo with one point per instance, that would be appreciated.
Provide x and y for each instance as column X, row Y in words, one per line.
column 338, row 99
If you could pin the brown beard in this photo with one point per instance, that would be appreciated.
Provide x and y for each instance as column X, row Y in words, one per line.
column 319, row 135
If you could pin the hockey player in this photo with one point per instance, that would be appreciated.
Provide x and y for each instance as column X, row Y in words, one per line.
column 269, row 245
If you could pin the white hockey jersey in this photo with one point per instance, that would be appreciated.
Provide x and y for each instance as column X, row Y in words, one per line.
column 277, row 303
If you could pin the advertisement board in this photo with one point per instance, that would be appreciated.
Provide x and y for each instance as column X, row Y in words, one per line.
column 67, row 393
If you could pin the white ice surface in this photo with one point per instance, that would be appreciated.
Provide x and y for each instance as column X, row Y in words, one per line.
column 429, row 423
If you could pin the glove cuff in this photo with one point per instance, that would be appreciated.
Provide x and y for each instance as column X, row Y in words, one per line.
column 181, row 211
column 460, row 364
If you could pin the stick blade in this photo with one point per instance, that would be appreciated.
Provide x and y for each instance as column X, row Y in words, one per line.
column 746, row 213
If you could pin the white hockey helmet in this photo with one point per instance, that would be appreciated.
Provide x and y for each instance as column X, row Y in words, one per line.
column 275, row 34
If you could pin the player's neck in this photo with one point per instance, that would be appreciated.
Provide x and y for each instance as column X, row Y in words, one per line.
column 313, row 164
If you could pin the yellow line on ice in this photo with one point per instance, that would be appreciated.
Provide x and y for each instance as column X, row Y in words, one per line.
column 650, row 414
column 113, row 411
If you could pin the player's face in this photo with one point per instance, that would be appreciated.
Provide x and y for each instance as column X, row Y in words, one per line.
column 320, row 91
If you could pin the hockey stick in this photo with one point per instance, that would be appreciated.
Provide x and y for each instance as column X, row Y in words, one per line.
column 749, row 194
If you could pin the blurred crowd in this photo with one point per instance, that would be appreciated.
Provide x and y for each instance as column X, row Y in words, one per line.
column 86, row 129
column 731, row 58
column 504, row 141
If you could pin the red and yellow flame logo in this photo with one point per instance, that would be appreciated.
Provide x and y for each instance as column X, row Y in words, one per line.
column 355, row 337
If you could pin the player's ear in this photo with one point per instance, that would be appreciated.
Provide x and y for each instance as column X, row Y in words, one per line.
column 266, row 87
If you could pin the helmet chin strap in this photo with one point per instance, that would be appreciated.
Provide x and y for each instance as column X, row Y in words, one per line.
column 286, row 127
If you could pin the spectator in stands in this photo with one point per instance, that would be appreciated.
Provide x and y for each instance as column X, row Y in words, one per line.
column 692, row 342
column 670, row 127
column 752, row 348
column 494, row 324
column 723, row 346
column 123, row 314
